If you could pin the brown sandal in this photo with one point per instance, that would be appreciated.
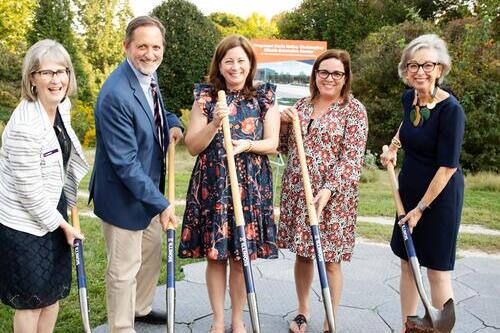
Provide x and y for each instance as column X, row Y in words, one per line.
column 301, row 321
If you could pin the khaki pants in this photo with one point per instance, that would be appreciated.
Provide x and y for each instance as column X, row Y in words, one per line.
column 134, row 260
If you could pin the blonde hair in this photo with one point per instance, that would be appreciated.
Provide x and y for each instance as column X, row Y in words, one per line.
column 45, row 50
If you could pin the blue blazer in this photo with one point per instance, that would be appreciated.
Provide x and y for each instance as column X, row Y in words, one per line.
column 129, row 165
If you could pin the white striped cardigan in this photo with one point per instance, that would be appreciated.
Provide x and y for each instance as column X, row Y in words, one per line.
column 32, row 172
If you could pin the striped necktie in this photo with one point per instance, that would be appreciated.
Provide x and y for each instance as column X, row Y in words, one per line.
column 156, row 103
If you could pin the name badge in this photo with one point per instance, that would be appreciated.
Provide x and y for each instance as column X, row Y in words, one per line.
column 50, row 155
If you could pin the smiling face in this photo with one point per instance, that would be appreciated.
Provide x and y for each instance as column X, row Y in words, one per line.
column 330, row 87
column 51, row 82
column 145, row 50
column 235, row 67
column 423, row 79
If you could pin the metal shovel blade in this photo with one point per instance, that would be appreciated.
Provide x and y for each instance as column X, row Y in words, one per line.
column 441, row 320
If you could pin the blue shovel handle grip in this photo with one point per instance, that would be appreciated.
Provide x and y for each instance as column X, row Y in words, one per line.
column 80, row 264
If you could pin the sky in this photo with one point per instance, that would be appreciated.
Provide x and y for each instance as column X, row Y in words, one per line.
column 243, row 8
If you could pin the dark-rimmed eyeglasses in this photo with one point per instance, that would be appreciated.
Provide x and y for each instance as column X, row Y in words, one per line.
column 48, row 74
column 427, row 66
column 324, row 74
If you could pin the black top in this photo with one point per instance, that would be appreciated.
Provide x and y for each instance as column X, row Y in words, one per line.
column 65, row 144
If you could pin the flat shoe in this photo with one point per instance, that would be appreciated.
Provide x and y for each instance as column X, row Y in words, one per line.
column 301, row 321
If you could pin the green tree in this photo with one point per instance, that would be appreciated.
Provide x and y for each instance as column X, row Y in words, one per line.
column 104, row 23
column 343, row 23
column 15, row 17
column 191, row 39
column 255, row 26
column 475, row 79
column 53, row 19
column 227, row 24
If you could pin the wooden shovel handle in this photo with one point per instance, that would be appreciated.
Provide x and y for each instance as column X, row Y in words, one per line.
column 75, row 219
column 311, row 210
column 233, row 179
column 394, row 186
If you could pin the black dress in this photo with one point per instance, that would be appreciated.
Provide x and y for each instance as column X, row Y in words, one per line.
column 437, row 142
column 36, row 271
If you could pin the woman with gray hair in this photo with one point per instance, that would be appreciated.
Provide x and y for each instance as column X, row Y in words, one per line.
column 41, row 164
column 431, row 183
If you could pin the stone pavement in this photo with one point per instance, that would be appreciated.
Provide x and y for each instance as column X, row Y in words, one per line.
column 370, row 300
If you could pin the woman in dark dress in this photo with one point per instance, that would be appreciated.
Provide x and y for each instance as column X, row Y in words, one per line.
column 41, row 164
column 431, row 182
column 208, row 227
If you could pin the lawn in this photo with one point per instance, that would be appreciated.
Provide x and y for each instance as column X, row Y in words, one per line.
column 482, row 206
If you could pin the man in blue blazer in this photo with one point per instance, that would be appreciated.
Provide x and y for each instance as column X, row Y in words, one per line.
column 133, row 130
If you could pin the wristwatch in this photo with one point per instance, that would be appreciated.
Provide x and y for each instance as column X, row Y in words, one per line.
column 422, row 206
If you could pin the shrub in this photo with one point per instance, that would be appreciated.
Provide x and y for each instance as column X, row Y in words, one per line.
column 191, row 40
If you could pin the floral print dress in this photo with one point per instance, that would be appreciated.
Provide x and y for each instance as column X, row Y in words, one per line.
column 334, row 145
column 208, row 227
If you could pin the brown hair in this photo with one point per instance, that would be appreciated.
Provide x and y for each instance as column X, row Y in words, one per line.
column 215, row 77
column 142, row 21
column 345, row 59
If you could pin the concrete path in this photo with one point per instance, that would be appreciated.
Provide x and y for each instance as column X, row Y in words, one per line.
column 370, row 300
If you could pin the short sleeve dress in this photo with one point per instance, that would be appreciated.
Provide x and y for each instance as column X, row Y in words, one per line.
column 208, row 226
column 334, row 145
column 437, row 142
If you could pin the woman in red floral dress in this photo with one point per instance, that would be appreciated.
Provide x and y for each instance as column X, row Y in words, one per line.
column 334, row 127
column 208, row 227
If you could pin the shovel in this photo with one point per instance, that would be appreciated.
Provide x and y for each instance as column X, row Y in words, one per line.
column 240, row 220
column 441, row 320
column 80, row 273
column 171, row 245
column 313, row 222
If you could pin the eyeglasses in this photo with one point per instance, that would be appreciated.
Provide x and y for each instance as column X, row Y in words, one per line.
column 48, row 74
column 324, row 74
column 428, row 66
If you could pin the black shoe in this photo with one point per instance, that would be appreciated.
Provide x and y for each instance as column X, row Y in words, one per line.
column 154, row 318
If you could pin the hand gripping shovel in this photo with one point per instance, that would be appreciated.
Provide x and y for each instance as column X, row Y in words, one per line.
column 441, row 320
column 80, row 272
column 171, row 244
column 240, row 221
column 313, row 222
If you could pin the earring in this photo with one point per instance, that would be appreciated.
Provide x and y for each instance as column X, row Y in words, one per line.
column 33, row 90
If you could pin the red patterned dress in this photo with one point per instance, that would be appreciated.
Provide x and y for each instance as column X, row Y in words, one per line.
column 334, row 145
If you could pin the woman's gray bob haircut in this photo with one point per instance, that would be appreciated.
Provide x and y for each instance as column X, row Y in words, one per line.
column 429, row 41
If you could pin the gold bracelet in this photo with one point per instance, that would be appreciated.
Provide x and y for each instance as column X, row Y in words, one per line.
column 250, row 145
column 396, row 143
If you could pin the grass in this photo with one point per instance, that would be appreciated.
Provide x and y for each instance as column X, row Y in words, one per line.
column 382, row 233
column 481, row 207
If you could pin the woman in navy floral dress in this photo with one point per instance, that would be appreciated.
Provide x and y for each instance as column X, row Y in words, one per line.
column 208, row 228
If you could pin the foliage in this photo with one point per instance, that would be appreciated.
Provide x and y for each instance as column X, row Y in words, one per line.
column 191, row 40
column 343, row 24
column 82, row 121
column 255, row 26
column 15, row 17
column 376, row 81
column 185, row 114
column 104, row 23
column 10, row 93
column 227, row 24
column 483, row 181
column 475, row 79
column 53, row 19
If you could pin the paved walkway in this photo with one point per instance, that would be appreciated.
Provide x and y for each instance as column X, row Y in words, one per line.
column 370, row 300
